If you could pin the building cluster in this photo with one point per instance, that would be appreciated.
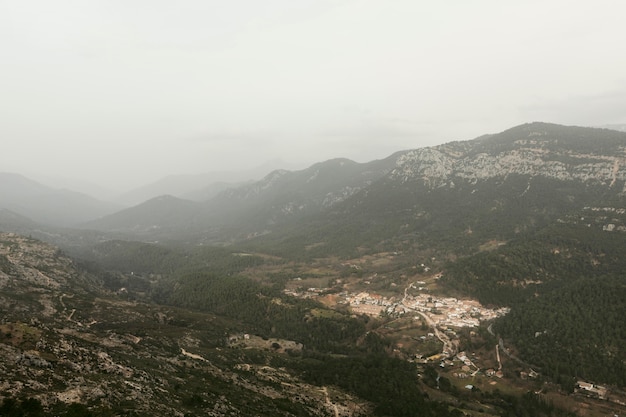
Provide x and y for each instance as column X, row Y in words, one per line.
column 451, row 311
column 370, row 304
column 443, row 311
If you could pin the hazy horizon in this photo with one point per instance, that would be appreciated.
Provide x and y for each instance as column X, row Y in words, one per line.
column 121, row 94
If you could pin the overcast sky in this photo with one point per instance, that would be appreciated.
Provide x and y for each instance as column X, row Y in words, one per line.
column 122, row 92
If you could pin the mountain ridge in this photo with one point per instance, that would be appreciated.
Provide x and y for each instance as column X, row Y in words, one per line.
column 530, row 149
column 529, row 155
column 197, row 187
column 58, row 207
column 518, row 219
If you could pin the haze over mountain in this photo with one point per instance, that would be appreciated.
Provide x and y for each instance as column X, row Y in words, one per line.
column 533, row 150
column 619, row 127
column 423, row 251
column 221, row 87
column 266, row 201
column 379, row 288
column 198, row 187
column 404, row 185
column 48, row 205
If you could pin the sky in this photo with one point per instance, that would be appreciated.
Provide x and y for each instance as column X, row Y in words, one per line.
column 123, row 92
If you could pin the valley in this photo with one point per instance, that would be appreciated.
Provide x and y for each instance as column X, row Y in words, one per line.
column 441, row 315
column 428, row 329
column 478, row 278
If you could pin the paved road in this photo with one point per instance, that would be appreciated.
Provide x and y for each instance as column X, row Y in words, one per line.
column 449, row 347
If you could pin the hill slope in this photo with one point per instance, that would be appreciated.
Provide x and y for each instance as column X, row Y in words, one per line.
column 517, row 179
column 160, row 215
column 456, row 197
column 519, row 219
column 66, row 344
column 70, row 348
column 47, row 205
column 279, row 197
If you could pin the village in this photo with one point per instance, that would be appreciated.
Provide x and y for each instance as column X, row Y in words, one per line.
column 443, row 315
column 441, row 311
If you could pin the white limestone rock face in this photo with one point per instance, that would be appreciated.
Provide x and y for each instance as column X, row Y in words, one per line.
column 441, row 165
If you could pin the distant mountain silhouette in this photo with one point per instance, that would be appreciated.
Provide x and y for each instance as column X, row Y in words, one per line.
column 197, row 187
column 494, row 185
column 48, row 205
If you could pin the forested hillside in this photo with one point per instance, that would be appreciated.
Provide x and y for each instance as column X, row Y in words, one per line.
column 566, row 286
column 575, row 331
column 362, row 289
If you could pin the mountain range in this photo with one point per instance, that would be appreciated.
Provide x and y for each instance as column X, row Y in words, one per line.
column 199, row 187
column 492, row 187
column 341, row 289
column 57, row 207
column 464, row 184
column 537, row 150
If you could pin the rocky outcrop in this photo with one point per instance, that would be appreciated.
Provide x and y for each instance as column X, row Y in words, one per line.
column 534, row 153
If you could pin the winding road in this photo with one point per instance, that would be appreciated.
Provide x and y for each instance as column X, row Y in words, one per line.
column 449, row 347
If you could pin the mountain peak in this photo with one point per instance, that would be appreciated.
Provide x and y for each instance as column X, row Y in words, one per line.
column 554, row 137
column 536, row 149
